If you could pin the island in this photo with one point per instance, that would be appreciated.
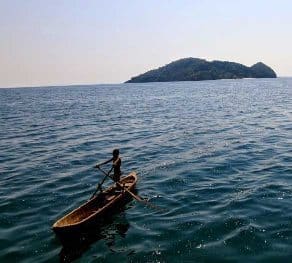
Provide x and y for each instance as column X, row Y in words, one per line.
column 194, row 69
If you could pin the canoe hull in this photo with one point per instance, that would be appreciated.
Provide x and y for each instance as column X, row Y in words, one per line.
column 91, row 215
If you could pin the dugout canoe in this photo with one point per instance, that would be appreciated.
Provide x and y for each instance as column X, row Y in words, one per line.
column 97, row 208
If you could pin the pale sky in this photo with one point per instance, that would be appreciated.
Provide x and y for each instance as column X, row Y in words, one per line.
column 63, row 42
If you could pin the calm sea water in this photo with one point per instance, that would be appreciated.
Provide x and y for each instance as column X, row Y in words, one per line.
column 216, row 155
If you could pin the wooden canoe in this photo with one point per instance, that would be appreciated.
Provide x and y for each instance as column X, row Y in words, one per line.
column 97, row 208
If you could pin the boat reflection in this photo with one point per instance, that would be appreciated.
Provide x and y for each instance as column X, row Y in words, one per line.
column 108, row 231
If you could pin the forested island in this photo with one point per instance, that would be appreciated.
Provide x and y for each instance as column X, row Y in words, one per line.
column 193, row 69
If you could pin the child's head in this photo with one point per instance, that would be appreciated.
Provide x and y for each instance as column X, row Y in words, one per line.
column 116, row 152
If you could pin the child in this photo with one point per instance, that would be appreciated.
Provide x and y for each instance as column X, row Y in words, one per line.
column 117, row 162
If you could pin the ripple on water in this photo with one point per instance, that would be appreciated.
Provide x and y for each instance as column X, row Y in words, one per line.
column 214, row 155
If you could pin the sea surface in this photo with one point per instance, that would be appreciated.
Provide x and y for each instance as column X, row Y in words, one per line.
column 215, row 156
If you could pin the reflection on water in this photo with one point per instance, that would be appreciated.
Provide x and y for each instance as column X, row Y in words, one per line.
column 108, row 231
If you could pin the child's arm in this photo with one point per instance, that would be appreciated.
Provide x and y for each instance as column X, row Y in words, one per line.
column 97, row 166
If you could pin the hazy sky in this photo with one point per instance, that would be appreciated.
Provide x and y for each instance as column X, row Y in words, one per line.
column 55, row 42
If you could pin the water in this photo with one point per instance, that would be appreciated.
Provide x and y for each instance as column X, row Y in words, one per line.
column 216, row 155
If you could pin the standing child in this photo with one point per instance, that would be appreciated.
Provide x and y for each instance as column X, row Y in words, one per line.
column 117, row 162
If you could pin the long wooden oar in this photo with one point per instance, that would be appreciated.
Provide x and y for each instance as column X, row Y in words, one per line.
column 138, row 198
column 100, row 184
column 97, row 188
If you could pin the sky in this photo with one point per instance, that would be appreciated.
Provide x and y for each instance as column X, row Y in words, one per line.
column 64, row 42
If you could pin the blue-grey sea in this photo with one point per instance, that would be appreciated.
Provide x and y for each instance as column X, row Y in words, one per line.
column 215, row 155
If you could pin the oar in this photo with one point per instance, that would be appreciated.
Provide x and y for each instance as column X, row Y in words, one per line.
column 138, row 198
column 100, row 184
column 97, row 188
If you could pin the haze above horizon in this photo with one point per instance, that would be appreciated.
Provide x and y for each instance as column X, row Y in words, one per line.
column 94, row 42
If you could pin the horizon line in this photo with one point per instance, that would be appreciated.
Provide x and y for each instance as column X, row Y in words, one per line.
column 117, row 83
